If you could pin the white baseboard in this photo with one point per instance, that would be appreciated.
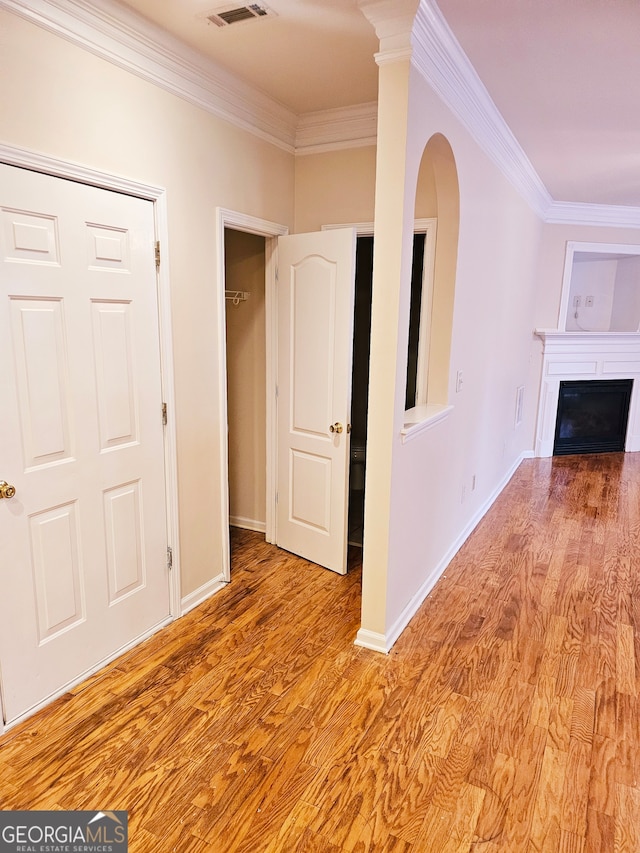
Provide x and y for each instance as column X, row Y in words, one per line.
column 371, row 640
column 384, row 642
column 202, row 593
column 633, row 444
column 248, row 523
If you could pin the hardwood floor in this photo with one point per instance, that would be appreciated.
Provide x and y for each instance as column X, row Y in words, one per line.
column 506, row 717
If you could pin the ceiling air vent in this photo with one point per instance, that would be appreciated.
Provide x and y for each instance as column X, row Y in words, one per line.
column 227, row 15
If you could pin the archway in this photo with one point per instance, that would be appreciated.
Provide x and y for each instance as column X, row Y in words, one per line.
column 438, row 197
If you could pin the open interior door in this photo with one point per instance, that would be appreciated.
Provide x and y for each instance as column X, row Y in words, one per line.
column 316, row 275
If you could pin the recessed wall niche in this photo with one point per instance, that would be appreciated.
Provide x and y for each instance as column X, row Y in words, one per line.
column 601, row 288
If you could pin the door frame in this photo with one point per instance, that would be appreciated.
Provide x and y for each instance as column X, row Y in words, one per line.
column 36, row 162
column 270, row 231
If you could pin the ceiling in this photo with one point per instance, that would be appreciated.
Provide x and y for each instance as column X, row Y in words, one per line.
column 565, row 74
column 312, row 55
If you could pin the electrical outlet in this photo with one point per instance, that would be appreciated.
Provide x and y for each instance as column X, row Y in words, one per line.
column 577, row 301
column 588, row 302
column 473, row 483
column 458, row 382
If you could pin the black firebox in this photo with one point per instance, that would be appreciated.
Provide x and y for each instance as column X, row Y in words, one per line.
column 592, row 416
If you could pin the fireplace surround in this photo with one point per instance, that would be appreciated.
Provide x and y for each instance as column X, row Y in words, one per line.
column 585, row 357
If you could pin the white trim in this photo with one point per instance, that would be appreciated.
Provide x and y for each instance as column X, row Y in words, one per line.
column 87, row 674
column 362, row 229
column 366, row 229
column 84, row 174
column 337, row 145
column 575, row 213
column 438, row 57
column 392, row 20
column 271, row 231
column 165, row 320
column 426, row 309
column 422, row 418
column 126, row 39
column 344, row 127
column 247, row 523
column 37, row 162
column 384, row 642
column 585, row 356
column 133, row 43
column 129, row 41
column 271, row 355
column 390, row 57
column 198, row 596
column 371, row 640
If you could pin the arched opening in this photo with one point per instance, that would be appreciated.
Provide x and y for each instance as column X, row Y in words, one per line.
column 432, row 293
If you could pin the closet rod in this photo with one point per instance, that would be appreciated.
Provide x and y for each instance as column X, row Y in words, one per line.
column 236, row 296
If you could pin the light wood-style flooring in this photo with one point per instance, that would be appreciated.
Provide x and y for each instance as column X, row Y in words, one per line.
column 506, row 717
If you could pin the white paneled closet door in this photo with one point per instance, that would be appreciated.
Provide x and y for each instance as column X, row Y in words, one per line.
column 84, row 540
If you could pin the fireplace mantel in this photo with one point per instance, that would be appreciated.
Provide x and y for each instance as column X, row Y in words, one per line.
column 589, row 341
column 585, row 355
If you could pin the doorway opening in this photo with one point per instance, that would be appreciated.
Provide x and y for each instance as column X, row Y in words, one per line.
column 245, row 325
column 360, row 386
column 360, row 362
column 247, row 357
column 249, row 354
column 252, row 251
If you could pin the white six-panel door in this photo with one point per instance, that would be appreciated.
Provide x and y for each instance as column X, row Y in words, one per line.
column 316, row 274
column 83, row 567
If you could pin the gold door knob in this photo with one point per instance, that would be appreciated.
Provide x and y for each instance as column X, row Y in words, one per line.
column 337, row 427
column 6, row 490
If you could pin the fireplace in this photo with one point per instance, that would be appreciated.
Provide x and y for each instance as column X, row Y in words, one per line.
column 582, row 359
column 592, row 416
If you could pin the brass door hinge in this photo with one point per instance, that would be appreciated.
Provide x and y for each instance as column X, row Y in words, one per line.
column 164, row 414
column 169, row 557
column 157, row 254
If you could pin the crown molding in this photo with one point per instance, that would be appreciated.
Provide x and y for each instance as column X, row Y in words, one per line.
column 438, row 57
column 576, row 213
column 344, row 127
column 129, row 41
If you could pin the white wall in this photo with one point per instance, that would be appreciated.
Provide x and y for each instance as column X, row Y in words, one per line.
column 625, row 313
column 492, row 332
column 63, row 101
column 595, row 279
column 335, row 188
